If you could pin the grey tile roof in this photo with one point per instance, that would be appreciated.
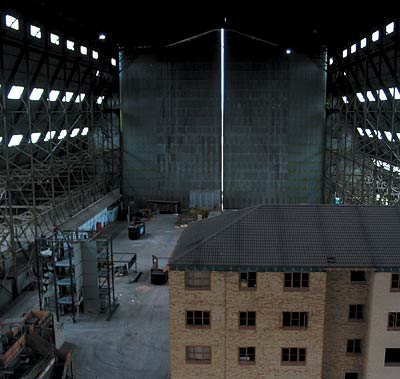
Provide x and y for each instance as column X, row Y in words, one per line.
column 293, row 237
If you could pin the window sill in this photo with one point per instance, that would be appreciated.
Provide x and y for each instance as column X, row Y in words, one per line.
column 247, row 363
column 293, row 363
column 294, row 327
column 247, row 288
column 198, row 326
column 394, row 289
column 294, row 289
column 356, row 319
column 197, row 289
column 198, row 362
column 247, row 327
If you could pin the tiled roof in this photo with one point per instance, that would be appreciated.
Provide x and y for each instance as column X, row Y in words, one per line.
column 293, row 237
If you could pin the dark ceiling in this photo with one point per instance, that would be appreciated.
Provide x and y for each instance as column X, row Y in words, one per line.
column 139, row 24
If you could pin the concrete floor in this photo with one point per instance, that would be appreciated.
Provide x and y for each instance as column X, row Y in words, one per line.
column 135, row 342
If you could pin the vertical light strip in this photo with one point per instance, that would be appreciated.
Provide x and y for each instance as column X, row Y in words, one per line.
column 222, row 114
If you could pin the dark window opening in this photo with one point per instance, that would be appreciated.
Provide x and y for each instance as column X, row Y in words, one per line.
column 247, row 355
column 197, row 280
column 354, row 346
column 392, row 357
column 197, row 318
column 296, row 279
column 247, row 319
column 248, row 280
column 356, row 312
column 294, row 355
column 395, row 286
column 351, row 375
column 295, row 319
column 358, row 276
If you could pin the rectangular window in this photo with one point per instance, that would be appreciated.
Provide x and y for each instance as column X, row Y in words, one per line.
column 351, row 375
column 293, row 356
column 247, row 355
column 198, row 318
column 354, row 346
column 394, row 321
column 357, row 276
column 248, row 280
column 395, row 286
column 392, row 357
column 199, row 280
column 198, row 354
column 296, row 280
column 247, row 320
column 295, row 320
column 356, row 312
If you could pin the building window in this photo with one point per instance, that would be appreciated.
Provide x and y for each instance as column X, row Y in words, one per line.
column 358, row 277
column 248, row 280
column 199, row 280
column 351, row 375
column 296, row 280
column 198, row 354
column 295, row 320
column 356, row 312
column 198, row 318
column 293, row 356
column 395, row 286
column 394, row 321
column 392, row 357
column 247, row 320
column 354, row 346
column 247, row 355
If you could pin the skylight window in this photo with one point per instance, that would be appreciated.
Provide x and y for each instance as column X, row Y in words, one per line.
column 382, row 94
column 360, row 132
column 386, row 166
column 344, row 53
column 85, row 131
column 67, row 97
column 95, row 54
column 375, row 36
column 100, row 100
column 390, row 28
column 360, row 97
column 35, row 137
column 36, row 94
column 378, row 134
column 75, row 132
column 83, row 50
column 97, row 73
column 330, row 61
column 389, row 136
column 53, row 95
column 353, row 48
column 63, row 134
column 55, row 39
column 35, row 31
column 113, row 61
column 15, row 92
column 395, row 93
column 12, row 22
column 15, row 140
column 80, row 98
column 369, row 133
column 1, row 139
column 363, row 43
column 70, row 45
column 49, row 135
column 370, row 96
column 345, row 100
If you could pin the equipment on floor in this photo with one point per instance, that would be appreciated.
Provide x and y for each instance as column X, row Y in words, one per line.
column 157, row 275
column 136, row 230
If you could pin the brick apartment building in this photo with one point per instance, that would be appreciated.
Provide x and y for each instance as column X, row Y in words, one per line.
column 288, row 291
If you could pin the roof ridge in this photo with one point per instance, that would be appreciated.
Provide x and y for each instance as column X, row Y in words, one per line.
column 251, row 209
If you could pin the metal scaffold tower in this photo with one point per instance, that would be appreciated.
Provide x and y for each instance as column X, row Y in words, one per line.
column 363, row 120
column 59, row 136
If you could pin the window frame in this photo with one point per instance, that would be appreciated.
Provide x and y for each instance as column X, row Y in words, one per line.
column 393, row 364
column 247, row 361
column 247, row 287
column 301, row 280
column 354, row 345
column 198, row 361
column 397, row 288
column 198, row 326
column 356, row 313
column 354, row 272
column 297, row 327
column 247, row 320
column 187, row 279
column 351, row 373
column 397, row 321
column 297, row 362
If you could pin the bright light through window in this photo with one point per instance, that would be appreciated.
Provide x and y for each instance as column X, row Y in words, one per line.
column 389, row 136
column 67, row 97
column 36, row 94
column 63, row 134
column 35, row 137
column 55, row 39
column 12, row 22
column 360, row 97
column 15, row 92
column 100, row 100
column 353, row 48
column 395, row 93
column 97, row 73
column 386, row 166
column 83, row 50
column 330, row 61
column 382, row 95
column 70, row 45
column 390, row 28
column 345, row 100
column 369, row 133
column 375, row 36
column 15, row 140
column 344, row 53
column 363, row 43
column 75, row 132
column 53, row 95
column 80, row 98
column 378, row 134
column 370, row 96
column 95, row 54
column 1, row 139
column 360, row 131
column 36, row 32
column 85, row 131
column 49, row 135
column 113, row 61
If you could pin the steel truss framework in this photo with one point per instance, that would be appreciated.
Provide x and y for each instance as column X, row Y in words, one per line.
column 362, row 147
column 43, row 183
